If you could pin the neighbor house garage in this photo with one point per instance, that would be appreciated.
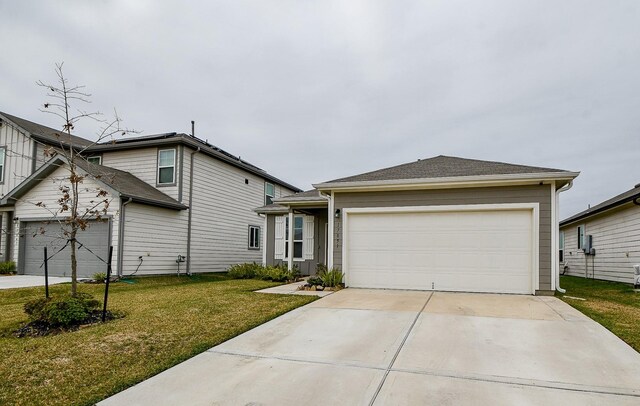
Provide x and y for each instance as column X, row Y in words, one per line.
column 443, row 223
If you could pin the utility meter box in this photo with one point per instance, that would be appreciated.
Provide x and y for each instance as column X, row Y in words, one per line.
column 636, row 275
column 588, row 245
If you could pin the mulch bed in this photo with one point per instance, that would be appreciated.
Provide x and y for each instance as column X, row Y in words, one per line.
column 40, row 329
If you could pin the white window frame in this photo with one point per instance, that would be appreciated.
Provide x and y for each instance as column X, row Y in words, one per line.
column 256, row 238
column 3, row 154
column 561, row 246
column 286, row 238
column 99, row 157
column 581, row 235
column 173, row 180
column 268, row 196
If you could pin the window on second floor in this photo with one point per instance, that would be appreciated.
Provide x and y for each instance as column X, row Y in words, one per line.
column 269, row 193
column 3, row 152
column 96, row 159
column 166, row 166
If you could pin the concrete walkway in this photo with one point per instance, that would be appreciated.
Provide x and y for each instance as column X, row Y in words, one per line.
column 292, row 289
column 383, row 347
column 25, row 281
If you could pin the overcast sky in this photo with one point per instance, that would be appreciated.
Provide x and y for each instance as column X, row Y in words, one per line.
column 315, row 90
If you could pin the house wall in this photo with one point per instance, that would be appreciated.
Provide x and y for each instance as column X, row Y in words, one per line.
column 616, row 238
column 48, row 192
column 158, row 235
column 307, row 267
column 18, row 158
column 487, row 195
column 223, row 206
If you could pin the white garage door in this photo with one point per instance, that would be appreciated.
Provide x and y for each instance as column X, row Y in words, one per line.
column 469, row 251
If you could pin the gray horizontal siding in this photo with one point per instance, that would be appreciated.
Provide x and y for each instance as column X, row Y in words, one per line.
column 540, row 194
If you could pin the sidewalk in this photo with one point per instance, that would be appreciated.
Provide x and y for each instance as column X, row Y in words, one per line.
column 292, row 289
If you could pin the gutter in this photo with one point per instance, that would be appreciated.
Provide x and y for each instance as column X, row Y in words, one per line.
column 557, row 230
column 121, row 235
column 191, row 159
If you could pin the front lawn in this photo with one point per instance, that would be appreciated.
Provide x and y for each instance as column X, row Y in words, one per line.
column 614, row 305
column 168, row 320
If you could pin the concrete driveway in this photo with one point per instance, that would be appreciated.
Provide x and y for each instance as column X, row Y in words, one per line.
column 384, row 347
column 26, row 281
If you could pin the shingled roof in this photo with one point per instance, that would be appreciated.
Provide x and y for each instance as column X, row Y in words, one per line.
column 444, row 167
column 622, row 198
column 46, row 134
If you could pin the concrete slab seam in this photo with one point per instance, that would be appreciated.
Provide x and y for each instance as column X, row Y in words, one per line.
column 557, row 312
column 299, row 360
column 395, row 356
column 525, row 382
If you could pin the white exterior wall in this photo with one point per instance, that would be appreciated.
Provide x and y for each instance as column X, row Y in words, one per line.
column 18, row 158
column 143, row 163
column 158, row 235
column 222, row 212
column 616, row 239
column 48, row 192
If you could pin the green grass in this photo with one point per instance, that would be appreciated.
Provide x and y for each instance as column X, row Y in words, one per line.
column 614, row 305
column 168, row 320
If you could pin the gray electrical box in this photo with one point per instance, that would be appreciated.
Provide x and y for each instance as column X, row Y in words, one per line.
column 588, row 245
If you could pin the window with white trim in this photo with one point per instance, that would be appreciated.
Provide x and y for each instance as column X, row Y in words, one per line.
column 3, row 153
column 303, row 235
column 581, row 236
column 96, row 160
column 298, row 232
column 269, row 193
column 254, row 237
column 166, row 166
column 561, row 246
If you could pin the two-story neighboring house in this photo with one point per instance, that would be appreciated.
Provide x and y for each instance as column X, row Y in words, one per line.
column 171, row 198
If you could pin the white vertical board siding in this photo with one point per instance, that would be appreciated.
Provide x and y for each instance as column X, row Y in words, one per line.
column 142, row 163
column 18, row 159
column 222, row 212
column 616, row 239
column 158, row 235
column 48, row 192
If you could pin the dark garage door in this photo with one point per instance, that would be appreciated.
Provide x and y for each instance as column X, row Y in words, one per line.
column 95, row 237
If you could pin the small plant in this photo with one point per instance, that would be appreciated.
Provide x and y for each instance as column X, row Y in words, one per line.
column 100, row 277
column 331, row 278
column 62, row 311
column 244, row 271
column 314, row 281
column 7, row 268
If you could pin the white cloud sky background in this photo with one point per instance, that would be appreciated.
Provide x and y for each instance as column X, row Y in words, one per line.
column 312, row 91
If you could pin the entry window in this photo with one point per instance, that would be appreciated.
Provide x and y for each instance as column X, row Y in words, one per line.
column 166, row 166
column 581, row 236
column 96, row 160
column 269, row 193
column 254, row 237
column 298, row 237
column 3, row 152
column 561, row 246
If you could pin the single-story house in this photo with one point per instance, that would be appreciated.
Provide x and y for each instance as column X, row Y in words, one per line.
column 443, row 223
column 609, row 234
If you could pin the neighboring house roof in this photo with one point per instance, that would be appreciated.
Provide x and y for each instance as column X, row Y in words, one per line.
column 125, row 184
column 168, row 139
column 281, row 204
column 46, row 134
column 632, row 195
column 441, row 168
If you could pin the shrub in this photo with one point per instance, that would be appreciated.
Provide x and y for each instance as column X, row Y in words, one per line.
column 331, row 278
column 62, row 311
column 100, row 277
column 7, row 268
column 244, row 271
column 278, row 273
column 314, row 281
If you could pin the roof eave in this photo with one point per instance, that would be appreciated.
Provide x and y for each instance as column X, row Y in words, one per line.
column 446, row 182
column 600, row 210
column 151, row 202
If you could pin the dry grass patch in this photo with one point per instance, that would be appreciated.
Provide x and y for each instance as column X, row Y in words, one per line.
column 168, row 319
column 614, row 305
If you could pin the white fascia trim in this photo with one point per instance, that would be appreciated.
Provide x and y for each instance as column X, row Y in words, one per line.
column 456, row 181
column 535, row 228
column 331, row 227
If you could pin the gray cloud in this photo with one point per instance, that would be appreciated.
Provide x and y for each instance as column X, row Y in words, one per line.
column 312, row 91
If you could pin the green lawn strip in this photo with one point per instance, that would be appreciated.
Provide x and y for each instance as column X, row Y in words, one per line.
column 614, row 305
column 168, row 320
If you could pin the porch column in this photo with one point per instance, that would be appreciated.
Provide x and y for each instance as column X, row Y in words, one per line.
column 290, row 240
column 6, row 225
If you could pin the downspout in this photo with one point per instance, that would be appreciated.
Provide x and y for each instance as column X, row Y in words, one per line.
column 330, row 228
column 557, row 221
column 193, row 154
column 121, row 235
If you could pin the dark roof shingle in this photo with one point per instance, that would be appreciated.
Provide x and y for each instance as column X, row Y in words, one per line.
column 47, row 134
column 622, row 198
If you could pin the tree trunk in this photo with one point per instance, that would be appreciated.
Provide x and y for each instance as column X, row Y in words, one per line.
column 74, row 263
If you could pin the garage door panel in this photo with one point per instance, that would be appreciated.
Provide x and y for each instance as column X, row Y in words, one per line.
column 486, row 251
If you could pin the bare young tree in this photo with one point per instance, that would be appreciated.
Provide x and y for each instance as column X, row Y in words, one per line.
column 71, row 214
